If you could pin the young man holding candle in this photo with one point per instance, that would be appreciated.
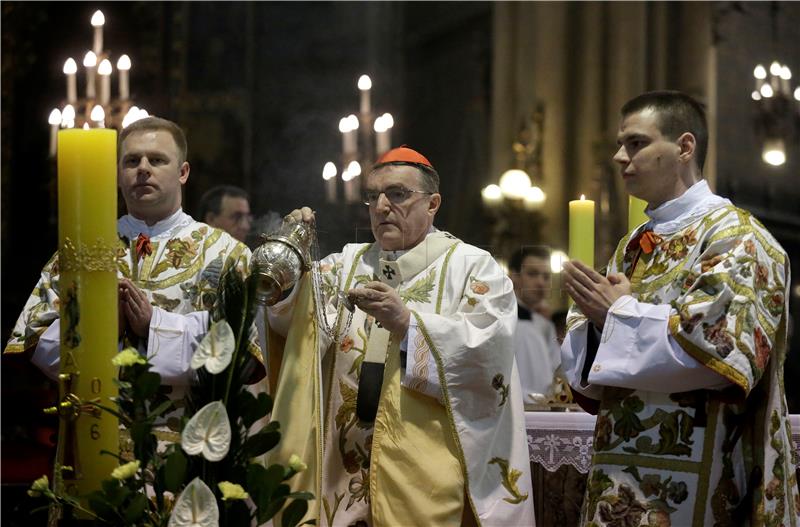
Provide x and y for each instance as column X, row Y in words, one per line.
column 680, row 347
column 169, row 265
column 419, row 399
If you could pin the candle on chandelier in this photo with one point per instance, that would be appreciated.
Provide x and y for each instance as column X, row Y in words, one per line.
column 352, row 186
column 104, row 70
column 348, row 126
column 329, row 175
column 364, row 85
column 123, row 65
column 70, row 70
column 383, row 133
column 55, row 121
column 97, row 22
column 90, row 63
column 581, row 231
column 98, row 115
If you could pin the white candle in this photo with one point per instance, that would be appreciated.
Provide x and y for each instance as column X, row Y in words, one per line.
column 348, row 126
column 123, row 65
column 104, row 70
column 352, row 184
column 70, row 69
column 55, row 122
column 68, row 117
column 90, row 62
column 98, row 115
column 329, row 175
column 365, row 84
column 383, row 137
column 97, row 21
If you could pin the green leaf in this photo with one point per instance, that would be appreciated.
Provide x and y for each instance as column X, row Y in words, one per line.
column 419, row 291
column 175, row 471
column 135, row 509
column 101, row 507
column 261, row 484
column 261, row 443
column 253, row 409
column 160, row 409
column 294, row 513
column 275, row 504
column 301, row 496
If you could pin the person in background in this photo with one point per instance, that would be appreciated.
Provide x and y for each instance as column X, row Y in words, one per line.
column 535, row 346
column 227, row 207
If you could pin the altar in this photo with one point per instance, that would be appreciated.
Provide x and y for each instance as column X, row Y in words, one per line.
column 560, row 452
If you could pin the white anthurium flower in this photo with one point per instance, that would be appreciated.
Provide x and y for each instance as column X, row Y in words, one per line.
column 216, row 349
column 196, row 507
column 208, row 432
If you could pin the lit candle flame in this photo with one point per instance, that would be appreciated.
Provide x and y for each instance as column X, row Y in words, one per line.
column 55, row 117
column 98, row 19
column 124, row 63
column 328, row 171
column 90, row 59
column 583, row 197
column 98, row 114
column 364, row 83
column 105, row 67
column 70, row 66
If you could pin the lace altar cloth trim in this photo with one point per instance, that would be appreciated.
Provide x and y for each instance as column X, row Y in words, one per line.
column 556, row 439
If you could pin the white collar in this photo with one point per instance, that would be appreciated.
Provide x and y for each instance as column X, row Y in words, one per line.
column 131, row 227
column 394, row 255
column 675, row 214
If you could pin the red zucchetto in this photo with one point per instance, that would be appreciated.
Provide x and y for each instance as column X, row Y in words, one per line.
column 402, row 154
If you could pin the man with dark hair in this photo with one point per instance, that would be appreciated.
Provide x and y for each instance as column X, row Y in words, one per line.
column 414, row 414
column 535, row 346
column 681, row 345
column 169, row 265
column 227, row 207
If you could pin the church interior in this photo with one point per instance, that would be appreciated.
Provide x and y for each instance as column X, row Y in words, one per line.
column 264, row 91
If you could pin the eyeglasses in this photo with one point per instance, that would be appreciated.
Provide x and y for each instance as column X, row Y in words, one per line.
column 395, row 195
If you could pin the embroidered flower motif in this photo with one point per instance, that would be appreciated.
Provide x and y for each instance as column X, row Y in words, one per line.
column 181, row 252
column 710, row 263
column 602, row 434
column 325, row 268
column 624, row 511
column 762, row 348
column 772, row 488
column 762, row 275
column 689, row 280
column 497, row 384
column 232, row 491
column 478, row 287
column 750, row 247
column 125, row 471
column 658, row 518
column 359, row 489
column 347, row 344
column 678, row 248
column 688, row 325
column 717, row 334
column 350, row 461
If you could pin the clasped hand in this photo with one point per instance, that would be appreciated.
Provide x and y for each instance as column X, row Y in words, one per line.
column 135, row 310
column 592, row 292
column 382, row 302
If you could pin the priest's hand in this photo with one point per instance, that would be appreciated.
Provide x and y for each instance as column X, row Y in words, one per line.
column 593, row 292
column 382, row 302
column 136, row 307
column 304, row 214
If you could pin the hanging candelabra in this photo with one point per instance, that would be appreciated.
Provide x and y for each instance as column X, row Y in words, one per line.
column 97, row 108
column 778, row 110
column 364, row 138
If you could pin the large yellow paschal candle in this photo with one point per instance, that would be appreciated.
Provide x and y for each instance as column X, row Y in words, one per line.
column 581, row 230
column 636, row 215
column 87, row 236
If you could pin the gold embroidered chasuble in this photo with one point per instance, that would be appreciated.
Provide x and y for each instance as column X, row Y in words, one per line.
column 180, row 278
column 428, row 445
column 705, row 457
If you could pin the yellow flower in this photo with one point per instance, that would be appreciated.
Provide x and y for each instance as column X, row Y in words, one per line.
column 232, row 491
column 296, row 464
column 40, row 485
column 125, row 471
column 127, row 357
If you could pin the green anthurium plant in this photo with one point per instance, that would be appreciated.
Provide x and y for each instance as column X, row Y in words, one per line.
column 211, row 477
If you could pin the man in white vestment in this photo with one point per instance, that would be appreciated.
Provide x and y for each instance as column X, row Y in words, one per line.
column 681, row 344
column 535, row 346
column 418, row 416
column 169, row 265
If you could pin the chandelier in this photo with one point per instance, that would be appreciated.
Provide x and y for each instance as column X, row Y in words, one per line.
column 778, row 117
column 364, row 138
column 96, row 108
